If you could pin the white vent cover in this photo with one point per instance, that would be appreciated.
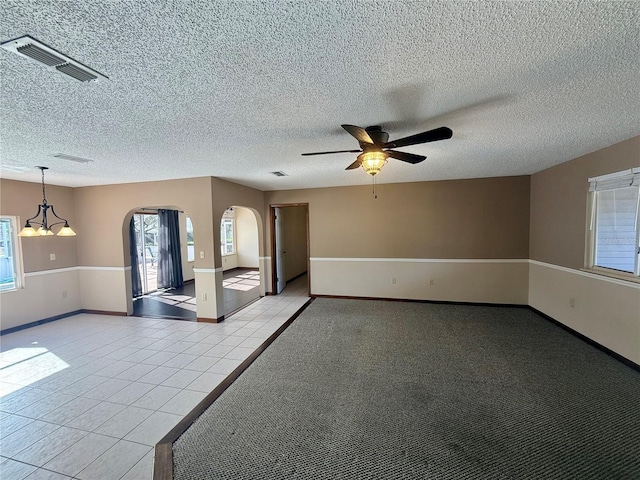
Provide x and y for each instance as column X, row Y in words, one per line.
column 72, row 158
column 30, row 47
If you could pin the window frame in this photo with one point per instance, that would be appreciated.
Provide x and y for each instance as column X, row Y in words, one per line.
column 614, row 181
column 191, row 249
column 17, row 262
column 223, row 242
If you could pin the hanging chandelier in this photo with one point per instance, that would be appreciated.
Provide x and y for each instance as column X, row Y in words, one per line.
column 45, row 227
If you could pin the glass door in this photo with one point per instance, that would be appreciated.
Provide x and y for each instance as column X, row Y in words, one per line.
column 146, row 225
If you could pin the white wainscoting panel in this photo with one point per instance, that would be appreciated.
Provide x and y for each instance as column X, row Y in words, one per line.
column 453, row 280
column 603, row 309
column 44, row 294
column 105, row 289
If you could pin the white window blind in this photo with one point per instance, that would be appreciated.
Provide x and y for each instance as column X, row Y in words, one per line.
column 615, row 220
column 626, row 178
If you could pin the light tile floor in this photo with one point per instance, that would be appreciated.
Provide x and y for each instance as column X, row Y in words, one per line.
column 89, row 396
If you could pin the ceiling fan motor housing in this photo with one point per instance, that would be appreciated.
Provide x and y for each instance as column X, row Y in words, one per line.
column 377, row 135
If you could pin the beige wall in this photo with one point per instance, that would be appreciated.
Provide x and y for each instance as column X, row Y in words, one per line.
column 559, row 202
column 456, row 225
column 99, row 255
column 227, row 194
column 229, row 262
column 603, row 309
column 204, row 199
column 103, row 214
column 479, row 218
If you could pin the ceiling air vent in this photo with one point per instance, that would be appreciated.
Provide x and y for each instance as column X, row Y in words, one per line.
column 40, row 55
column 30, row 47
column 279, row 174
column 75, row 72
column 64, row 156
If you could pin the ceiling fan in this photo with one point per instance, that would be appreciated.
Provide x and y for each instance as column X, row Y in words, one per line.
column 375, row 146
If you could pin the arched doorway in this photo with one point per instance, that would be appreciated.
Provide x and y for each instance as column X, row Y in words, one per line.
column 239, row 244
column 162, row 278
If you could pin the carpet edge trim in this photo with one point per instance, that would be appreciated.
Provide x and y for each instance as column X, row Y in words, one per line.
column 163, row 463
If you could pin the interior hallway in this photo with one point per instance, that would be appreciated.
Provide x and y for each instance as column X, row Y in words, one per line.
column 89, row 396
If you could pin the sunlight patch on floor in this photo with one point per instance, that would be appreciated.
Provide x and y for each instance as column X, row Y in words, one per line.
column 21, row 367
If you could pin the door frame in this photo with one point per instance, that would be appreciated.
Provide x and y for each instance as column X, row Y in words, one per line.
column 272, row 223
column 141, row 213
column 281, row 260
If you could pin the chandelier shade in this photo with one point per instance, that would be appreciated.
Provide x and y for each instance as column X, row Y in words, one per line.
column 41, row 219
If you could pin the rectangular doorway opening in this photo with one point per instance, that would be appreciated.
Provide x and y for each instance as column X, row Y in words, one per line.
column 289, row 245
column 146, row 230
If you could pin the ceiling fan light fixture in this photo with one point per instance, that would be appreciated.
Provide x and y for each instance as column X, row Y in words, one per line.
column 372, row 162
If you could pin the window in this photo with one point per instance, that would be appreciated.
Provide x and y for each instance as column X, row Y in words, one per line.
column 226, row 237
column 615, row 220
column 10, row 268
column 191, row 254
column 227, row 232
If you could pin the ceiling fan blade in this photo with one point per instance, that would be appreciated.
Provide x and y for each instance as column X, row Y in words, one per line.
column 360, row 134
column 442, row 133
column 335, row 151
column 405, row 157
column 354, row 165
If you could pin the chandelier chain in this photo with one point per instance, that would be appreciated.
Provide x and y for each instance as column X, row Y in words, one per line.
column 44, row 195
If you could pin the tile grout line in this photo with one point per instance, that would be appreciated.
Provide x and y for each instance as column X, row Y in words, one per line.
column 113, row 333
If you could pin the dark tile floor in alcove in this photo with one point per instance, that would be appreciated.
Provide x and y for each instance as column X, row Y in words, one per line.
column 241, row 287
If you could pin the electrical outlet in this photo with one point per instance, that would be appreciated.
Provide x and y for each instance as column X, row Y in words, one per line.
column 572, row 302
column 393, row 280
column 204, row 297
column 432, row 282
column 202, row 254
column 52, row 256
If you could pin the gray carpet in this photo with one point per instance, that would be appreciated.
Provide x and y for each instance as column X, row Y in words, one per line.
column 388, row 390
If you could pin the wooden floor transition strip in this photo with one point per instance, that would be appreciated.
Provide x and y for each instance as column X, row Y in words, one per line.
column 163, row 463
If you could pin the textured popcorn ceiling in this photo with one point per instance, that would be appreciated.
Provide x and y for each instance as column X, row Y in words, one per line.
column 240, row 89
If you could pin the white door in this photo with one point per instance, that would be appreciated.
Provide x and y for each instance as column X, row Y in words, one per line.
column 280, row 282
